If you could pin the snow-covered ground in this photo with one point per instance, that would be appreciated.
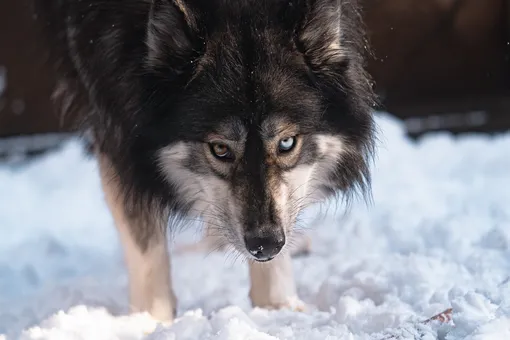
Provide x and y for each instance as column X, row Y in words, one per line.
column 437, row 235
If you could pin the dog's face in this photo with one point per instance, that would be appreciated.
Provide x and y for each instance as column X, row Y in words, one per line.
column 268, row 111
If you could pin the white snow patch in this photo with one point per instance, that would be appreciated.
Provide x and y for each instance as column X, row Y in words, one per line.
column 436, row 236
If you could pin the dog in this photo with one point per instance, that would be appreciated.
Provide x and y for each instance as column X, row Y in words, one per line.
column 237, row 113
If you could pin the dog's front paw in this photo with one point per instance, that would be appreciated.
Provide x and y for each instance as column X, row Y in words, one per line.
column 295, row 304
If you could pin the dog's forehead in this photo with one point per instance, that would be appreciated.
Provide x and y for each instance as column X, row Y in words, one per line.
column 267, row 128
column 278, row 126
column 231, row 128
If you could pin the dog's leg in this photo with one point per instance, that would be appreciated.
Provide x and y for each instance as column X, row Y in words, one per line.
column 273, row 286
column 145, row 251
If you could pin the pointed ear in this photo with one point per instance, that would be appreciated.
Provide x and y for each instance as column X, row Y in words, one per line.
column 321, row 32
column 172, row 34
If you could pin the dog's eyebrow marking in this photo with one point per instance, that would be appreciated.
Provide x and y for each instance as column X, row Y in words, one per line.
column 278, row 127
column 231, row 129
column 216, row 137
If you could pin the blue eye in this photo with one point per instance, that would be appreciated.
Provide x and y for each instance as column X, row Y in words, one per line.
column 286, row 144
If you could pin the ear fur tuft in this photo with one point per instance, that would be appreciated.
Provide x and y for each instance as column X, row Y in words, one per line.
column 321, row 32
column 172, row 34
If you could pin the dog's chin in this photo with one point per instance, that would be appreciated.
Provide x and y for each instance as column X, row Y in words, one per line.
column 264, row 261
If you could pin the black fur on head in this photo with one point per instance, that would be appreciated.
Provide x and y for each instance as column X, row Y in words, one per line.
column 145, row 74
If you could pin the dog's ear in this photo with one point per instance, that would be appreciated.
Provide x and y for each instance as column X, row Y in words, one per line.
column 172, row 34
column 320, row 32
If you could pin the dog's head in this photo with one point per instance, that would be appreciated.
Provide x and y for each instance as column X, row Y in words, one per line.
column 265, row 107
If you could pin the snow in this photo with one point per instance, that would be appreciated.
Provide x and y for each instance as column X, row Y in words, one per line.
column 436, row 235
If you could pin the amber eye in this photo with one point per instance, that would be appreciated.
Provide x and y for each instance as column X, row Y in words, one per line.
column 221, row 151
column 286, row 144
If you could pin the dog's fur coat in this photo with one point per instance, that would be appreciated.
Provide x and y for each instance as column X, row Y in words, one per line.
column 241, row 112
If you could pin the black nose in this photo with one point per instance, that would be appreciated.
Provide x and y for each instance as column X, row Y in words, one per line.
column 264, row 248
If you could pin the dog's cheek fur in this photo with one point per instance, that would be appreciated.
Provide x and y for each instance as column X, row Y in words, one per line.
column 171, row 160
column 312, row 183
column 298, row 181
column 296, row 186
column 343, row 168
column 205, row 195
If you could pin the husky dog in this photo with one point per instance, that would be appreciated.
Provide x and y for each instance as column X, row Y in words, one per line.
column 237, row 112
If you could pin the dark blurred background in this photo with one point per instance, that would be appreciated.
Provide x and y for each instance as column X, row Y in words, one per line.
column 438, row 65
